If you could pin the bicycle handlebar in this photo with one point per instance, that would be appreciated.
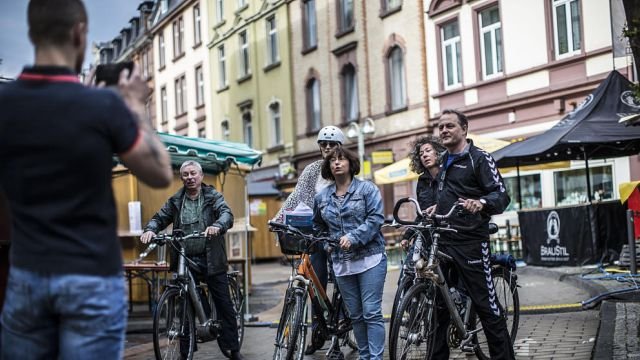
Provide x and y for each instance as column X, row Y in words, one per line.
column 295, row 231
column 175, row 236
column 435, row 218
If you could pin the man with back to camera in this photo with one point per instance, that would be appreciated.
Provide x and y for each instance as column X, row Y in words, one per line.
column 66, row 294
column 470, row 176
column 198, row 207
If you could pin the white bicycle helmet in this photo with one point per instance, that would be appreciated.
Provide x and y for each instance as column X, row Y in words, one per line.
column 331, row 133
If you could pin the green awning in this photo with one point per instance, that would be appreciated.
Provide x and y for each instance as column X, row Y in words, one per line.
column 215, row 156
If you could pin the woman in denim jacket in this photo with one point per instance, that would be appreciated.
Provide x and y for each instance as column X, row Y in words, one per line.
column 351, row 210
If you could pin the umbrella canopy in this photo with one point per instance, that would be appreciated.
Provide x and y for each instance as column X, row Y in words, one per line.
column 592, row 130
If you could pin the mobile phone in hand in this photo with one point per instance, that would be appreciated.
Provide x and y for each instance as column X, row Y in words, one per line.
column 110, row 73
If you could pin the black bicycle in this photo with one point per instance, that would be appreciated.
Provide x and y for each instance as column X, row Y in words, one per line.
column 186, row 313
column 413, row 332
column 333, row 322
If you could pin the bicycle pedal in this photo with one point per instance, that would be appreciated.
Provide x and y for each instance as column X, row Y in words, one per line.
column 334, row 354
column 468, row 348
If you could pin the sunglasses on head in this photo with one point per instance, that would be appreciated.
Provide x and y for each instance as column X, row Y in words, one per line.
column 327, row 144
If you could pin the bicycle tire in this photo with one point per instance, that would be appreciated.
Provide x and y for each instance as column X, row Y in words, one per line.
column 348, row 338
column 416, row 323
column 237, row 299
column 506, row 293
column 405, row 284
column 287, row 341
column 167, row 326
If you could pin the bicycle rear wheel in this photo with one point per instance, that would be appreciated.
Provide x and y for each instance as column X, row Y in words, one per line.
column 506, row 289
column 289, row 339
column 237, row 299
column 174, row 332
column 414, row 328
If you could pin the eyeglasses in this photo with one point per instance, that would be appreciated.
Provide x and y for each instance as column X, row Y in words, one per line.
column 329, row 144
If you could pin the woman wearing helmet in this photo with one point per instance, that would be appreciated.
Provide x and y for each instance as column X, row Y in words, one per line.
column 309, row 184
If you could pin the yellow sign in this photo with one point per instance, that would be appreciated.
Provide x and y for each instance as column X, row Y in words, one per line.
column 382, row 157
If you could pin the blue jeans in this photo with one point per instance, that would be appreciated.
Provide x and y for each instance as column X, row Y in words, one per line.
column 362, row 293
column 49, row 316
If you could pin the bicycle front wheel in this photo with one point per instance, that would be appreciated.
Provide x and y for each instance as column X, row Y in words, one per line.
column 174, row 332
column 406, row 282
column 237, row 299
column 506, row 289
column 414, row 328
column 289, row 340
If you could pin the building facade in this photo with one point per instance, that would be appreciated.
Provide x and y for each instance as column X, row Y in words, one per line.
column 251, row 80
column 181, row 71
column 516, row 69
column 354, row 61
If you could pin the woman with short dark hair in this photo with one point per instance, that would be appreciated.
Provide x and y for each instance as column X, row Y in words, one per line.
column 351, row 210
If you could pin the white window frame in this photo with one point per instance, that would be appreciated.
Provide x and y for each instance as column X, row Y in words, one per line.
column 197, row 25
column 219, row 11
column 181, row 95
column 350, row 83
column 496, row 49
column 244, row 55
column 569, row 27
column 199, row 76
column 398, row 85
column 178, row 37
column 275, row 115
column 311, row 24
column 222, row 68
column 164, row 109
column 273, row 55
column 454, row 44
column 247, row 128
column 241, row 3
column 161, row 51
column 389, row 6
column 313, row 92
column 344, row 5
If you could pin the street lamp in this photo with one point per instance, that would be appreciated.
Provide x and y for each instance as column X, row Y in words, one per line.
column 354, row 131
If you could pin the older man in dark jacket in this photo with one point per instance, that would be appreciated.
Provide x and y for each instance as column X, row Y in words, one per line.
column 198, row 207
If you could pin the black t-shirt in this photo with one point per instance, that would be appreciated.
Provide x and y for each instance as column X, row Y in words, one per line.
column 57, row 139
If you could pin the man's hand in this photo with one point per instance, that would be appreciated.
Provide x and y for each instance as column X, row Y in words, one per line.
column 405, row 244
column 345, row 243
column 147, row 236
column 471, row 205
column 212, row 231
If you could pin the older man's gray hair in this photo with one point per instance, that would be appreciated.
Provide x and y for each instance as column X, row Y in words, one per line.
column 191, row 163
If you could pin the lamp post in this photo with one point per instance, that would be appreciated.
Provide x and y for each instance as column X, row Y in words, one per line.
column 358, row 131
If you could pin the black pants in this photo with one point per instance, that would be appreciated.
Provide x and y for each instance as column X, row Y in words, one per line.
column 219, row 288
column 472, row 268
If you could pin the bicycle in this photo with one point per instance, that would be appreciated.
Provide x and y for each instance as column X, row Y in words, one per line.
column 175, row 330
column 332, row 318
column 415, row 327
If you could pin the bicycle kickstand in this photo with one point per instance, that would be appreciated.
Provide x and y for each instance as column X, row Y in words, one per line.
column 334, row 352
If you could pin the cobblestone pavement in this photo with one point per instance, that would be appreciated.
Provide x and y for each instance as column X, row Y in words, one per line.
column 545, row 336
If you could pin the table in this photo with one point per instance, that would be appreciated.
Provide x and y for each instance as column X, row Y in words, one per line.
column 149, row 271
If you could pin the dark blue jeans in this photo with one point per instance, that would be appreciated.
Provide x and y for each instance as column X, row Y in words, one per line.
column 49, row 316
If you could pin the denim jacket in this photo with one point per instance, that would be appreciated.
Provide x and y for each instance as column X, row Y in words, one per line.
column 359, row 218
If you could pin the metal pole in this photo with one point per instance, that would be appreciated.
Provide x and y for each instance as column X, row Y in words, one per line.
column 519, row 184
column 361, row 151
column 586, row 165
column 247, row 313
column 632, row 242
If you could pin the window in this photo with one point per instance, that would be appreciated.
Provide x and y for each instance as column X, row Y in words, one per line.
column 181, row 95
column 276, row 123
column 531, row 189
column 202, row 133
column 225, row 129
column 397, row 84
column 350, row 93
column 244, row 54
column 145, row 64
column 272, row 41
column 345, row 15
column 199, row 86
column 390, row 5
column 161, row 58
column 247, row 128
column 490, row 42
column 197, row 33
column 313, row 105
column 570, row 185
column 451, row 60
column 178, row 37
column 222, row 68
column 163, row 105
column 566, row 27
column 309, row 30
column 241, row 3
column 219, row 11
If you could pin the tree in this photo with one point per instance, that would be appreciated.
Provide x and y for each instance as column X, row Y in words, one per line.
column 632, row 32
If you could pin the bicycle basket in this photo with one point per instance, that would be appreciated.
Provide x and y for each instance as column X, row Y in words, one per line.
column 292, row 244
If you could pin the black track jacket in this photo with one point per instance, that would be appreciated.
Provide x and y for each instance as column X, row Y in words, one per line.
column 473, row 175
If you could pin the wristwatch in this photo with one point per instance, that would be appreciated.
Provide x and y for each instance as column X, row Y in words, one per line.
column 483, row 201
